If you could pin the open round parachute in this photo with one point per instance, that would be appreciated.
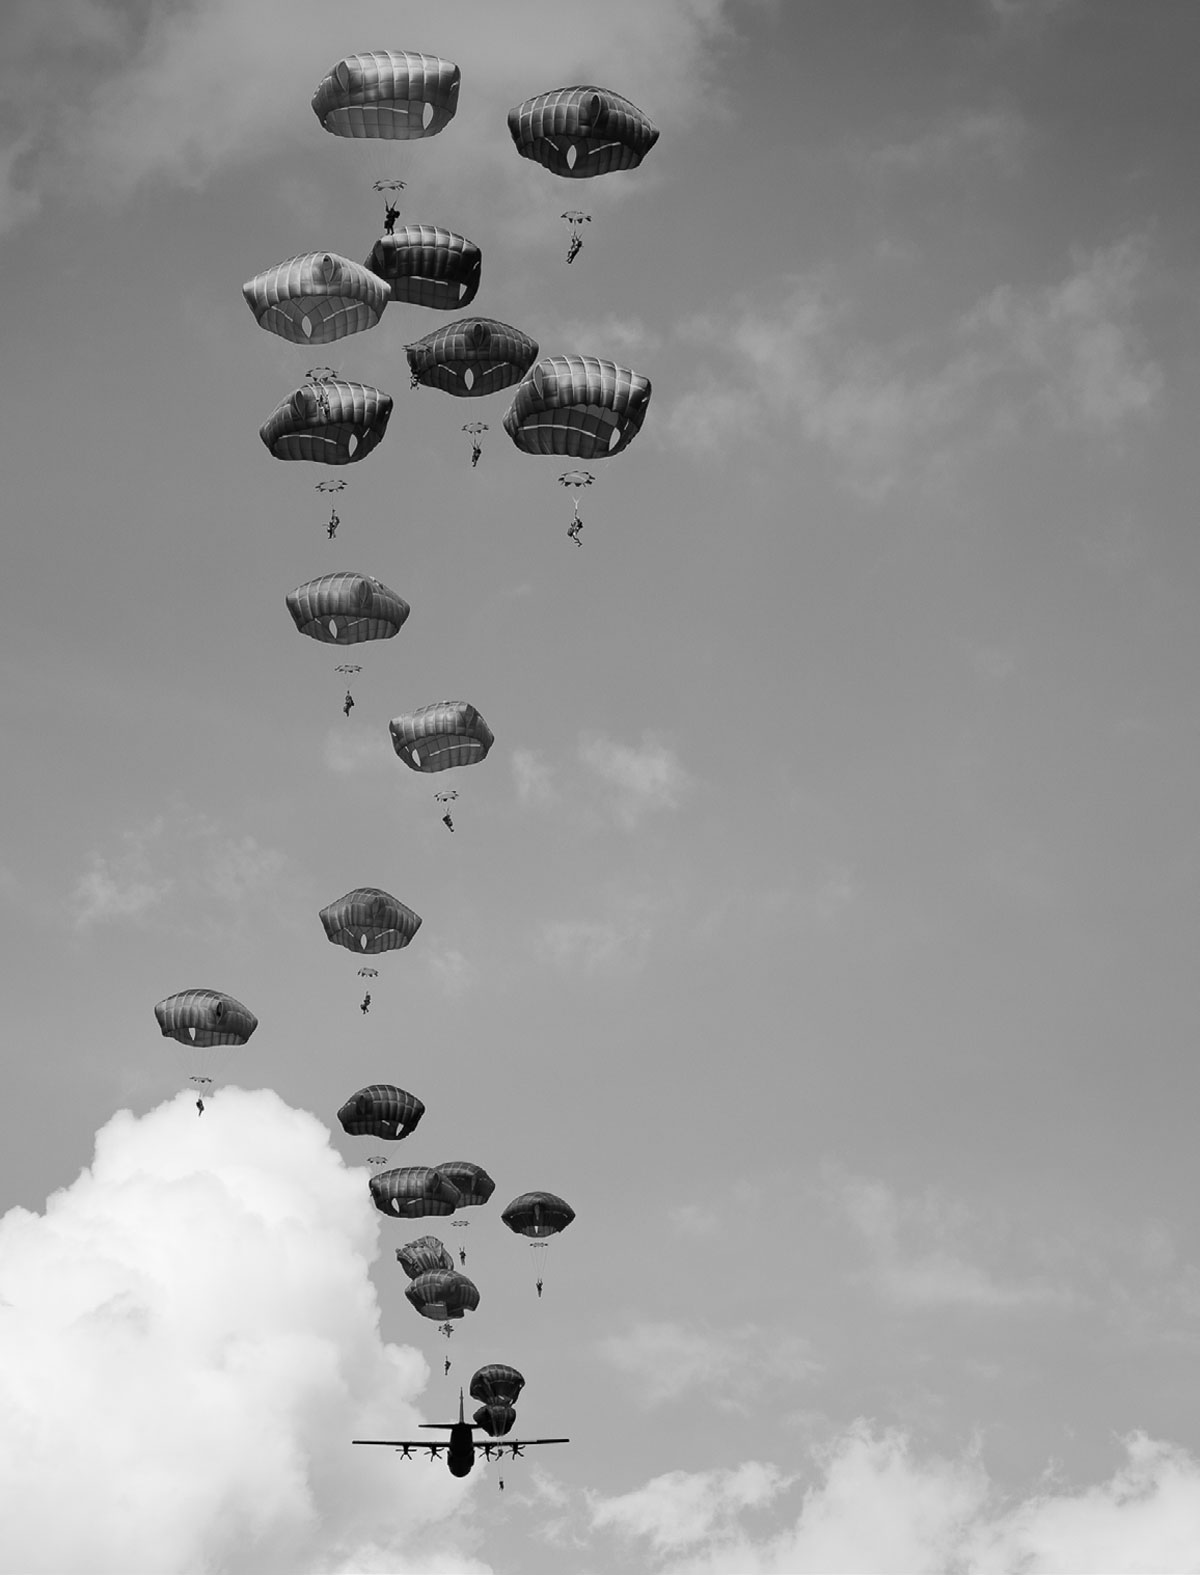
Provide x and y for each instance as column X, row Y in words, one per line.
column 392, row 94
column 578, row 406
column 316, row 298
column 438, row 736
column 496, row 1384
column 412, row 1191
column 369, row 920
column 426, row 265
column 471, row 1180
column 538, row 1214
column 472, row 357
column 381, row 1110
column 343, row 609
column 441, row 1294
column 495, row 1420
column 205, row 1017
column 333, row 423
column 579, row 132
column 423, row 1256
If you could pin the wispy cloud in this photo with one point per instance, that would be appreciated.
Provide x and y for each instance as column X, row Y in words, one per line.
column 355, row 748
column 181, row 855
column 915, row 1249
column 681, row 1508
column 533, row 777
column 668, row 1361
column 452, row 972
column 890, row 413
column 641, row 779
column 616, row 942
column 996, row 136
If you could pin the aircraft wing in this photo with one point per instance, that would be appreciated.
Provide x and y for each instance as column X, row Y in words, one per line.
column 514, row 1445
column 405, row 1444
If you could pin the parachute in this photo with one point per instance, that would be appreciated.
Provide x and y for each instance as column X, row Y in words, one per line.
column 316, row 298
column 471, row 357
column 381, row 1110
column 330, row 486
column 495, row 1420
column 578, row 406
column 438, row 736
column 205, row 1017
column 471, row 1180
column 368, row 973
column 391, row 94
column 440, row 1294
column 579, row 132
column 333, row 423
column 369, row 920
column 497, row 1384
column 414, row 1190
column 343, row 609
column 423, row 1255
column 426, row 265
column 538, row 1214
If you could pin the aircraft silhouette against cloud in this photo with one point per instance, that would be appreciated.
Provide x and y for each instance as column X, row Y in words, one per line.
column 461, row 1446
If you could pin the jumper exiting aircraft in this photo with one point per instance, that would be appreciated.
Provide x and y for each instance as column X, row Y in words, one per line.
column 461, row 1446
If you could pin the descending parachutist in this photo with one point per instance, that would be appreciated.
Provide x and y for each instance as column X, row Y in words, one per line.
column 462, row 1256
column 365, row 1007
column 575, row 218
column 445, row 1367
column 446, row 821
column 199, row 1104
column 539, row 1287
column 502, row 1484
column 474, row 430
column 334, row 522
column 348, row 704
column 573, row 530
column 390, row 214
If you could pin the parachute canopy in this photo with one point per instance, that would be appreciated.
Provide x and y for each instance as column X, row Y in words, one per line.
column 581, row 131
column 474, row 356
column 316, row 298
column 438, row 736
column 381, row 1110
column 577, row 405
column 538, row 1214
column 497, row 1384
column 333, row 423
column 392, row 94
column 471, row 1180
column 427, row 266
column 423, row 1255
column 342, row 609
column 205, row 1017
column 495, row 1420
column 442, row 1293
column 369, row 920
column 414, row 1190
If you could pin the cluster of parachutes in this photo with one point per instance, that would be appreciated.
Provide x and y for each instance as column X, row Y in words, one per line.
column 437, row 1289
column 568, row 405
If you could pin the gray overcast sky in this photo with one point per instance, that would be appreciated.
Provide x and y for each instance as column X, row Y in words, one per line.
column 823, row 922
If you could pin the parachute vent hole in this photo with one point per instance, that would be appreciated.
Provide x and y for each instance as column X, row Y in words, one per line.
column 352, row 445
column 427, row 116
column 469, row 377
column 192, row 1034
column 333, row 629
column 306, row 327
column 614, row 437
column 362, row 941
column 572, row 156
column 416, row 758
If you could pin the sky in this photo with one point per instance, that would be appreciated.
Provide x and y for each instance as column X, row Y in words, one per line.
column 821, row 923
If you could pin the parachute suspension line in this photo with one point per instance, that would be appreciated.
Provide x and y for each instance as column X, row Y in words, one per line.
column 575, row 217
column 475, row 430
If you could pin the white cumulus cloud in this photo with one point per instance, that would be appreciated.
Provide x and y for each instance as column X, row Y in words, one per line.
column 640, row 779
column 189, row 1340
